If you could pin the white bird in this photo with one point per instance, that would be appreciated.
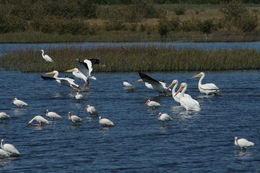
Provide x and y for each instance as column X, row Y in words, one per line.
column 52, row 115
column 164, row 117
column 78, row 96
column 78, row 74
column 127, row 84
column 208, row 88
column 153, row 84
column 74, row 118
column 105, row 122
column 46, row 57
column 152, row 103
column 91, row 110
column 66, row 81
column 19, row 103
column 187, row 102
column 4, row 116
column 243, row 143
column 4, row 153
column 174, row 84
column 86, row 67
column 39, row 119
column 9, row 148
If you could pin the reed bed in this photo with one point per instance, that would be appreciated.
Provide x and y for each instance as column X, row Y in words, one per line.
column 133, row 59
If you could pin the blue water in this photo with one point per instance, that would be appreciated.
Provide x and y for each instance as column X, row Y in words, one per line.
column 5, row 48
column 191, row 142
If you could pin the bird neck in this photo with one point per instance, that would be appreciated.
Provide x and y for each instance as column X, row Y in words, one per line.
column 200, row 81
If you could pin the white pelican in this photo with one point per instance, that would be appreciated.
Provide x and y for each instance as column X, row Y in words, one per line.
column 52, row 115
column 78, row 74
column 105, row 122
column 39, row 119
column 187, row 101
column 78, row 96
column 4, row 153
column 66, row 81
column 86, row 67
column 74, row 118
column 174, row 84
column 164, row 117
column 9, row 148
column 152, row 103
column 46, row 57
column 208, row 88
column 19, row 103
column 4, row 116
column 91, row 110
column 153, row 84
column 127, row 84
column 243, row 143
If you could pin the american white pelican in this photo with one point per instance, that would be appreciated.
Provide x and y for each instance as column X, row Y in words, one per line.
column 66, row 81
column 9, row 148
column 74, row 118
column 152, row 103
column 19, row 103
column 86, row 67
column 46, row 57
column 105, row 122
column 187, row 101
column 174, row 84
column 4, row 116
column 78, row 74
column 91, row 110
column 78, row 96
column 52, row 115
column 208, row 88
column 164, row 117
column 243, row 143
column 4, row 153
column 153, row 84
column 39, row 119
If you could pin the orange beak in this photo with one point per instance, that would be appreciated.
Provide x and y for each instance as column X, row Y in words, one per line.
column 179, row 90
column 198, row 75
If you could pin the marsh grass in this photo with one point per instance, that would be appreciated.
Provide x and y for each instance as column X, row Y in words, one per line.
column 147, row 59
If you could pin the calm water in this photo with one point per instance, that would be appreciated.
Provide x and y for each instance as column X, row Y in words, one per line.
column 5, row 48
column 191, row 142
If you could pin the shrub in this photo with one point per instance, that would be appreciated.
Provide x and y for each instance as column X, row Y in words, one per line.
column 180, row 9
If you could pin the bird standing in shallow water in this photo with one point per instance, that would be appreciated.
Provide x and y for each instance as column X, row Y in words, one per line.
column 74, row 118
column 164, row 117
column 19, row 103
column 39, row 119
column 105, row 122
column 52, row 115
column 9, row 148
column 208, row 88
column 152, row 103
column 243, row 143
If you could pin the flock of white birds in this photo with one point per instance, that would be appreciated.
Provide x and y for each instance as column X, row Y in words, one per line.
column 84, row 73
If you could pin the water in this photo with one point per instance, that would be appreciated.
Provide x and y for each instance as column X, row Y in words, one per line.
column 5, row 48
column 191, row 142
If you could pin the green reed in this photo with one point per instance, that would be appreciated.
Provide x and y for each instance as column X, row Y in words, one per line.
column 147, row 59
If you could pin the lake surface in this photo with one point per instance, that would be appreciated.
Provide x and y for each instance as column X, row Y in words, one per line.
column 192, row 142
column 5, row 48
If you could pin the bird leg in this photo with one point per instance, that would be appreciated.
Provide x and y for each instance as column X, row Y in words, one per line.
column 85, row 84
column 74, row 88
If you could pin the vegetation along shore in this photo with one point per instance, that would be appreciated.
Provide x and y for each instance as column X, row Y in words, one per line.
column 37, row 21
column 134, row 59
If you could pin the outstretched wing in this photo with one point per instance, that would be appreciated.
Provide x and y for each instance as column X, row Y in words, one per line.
column 86, row 66
column 149, row 79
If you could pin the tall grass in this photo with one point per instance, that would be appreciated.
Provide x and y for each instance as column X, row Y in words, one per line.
column 149, row 59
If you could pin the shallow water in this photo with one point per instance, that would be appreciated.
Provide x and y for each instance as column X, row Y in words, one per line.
column 5, row 48
column 191, row 142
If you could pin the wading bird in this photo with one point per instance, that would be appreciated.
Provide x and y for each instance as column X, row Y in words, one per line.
column 153, row 84
column 39, row 119
column 208, row 88
column 174, row 84
column 91, row 110
column 105, row 122
column 66, row 81
column 152, row 103
column 4, row 116
column 164, row 117
column 46, row 57
column 19, row 103
column 9, row 148
column 78, row 74
column 52, row 115
column 74, row 118
column 243, row 143
column 187, row 101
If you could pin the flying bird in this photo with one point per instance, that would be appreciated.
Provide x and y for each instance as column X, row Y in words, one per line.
column 208, row 88
column 46, row 57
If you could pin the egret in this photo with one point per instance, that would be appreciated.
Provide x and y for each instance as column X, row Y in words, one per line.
column 46, row 57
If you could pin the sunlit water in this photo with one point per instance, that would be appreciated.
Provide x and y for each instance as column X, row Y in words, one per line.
column 191, row 142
